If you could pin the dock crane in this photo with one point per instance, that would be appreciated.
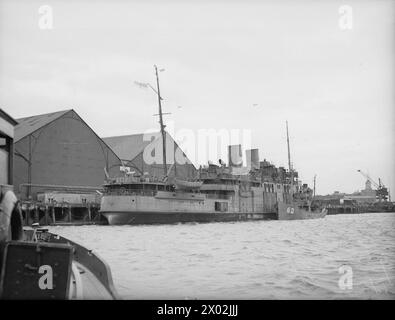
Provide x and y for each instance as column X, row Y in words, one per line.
column 381, row 190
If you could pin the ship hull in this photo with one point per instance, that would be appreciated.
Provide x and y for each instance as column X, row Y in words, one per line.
column 146, row 217
column 288, row 211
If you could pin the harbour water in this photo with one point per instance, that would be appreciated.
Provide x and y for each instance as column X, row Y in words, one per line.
column 342, row 256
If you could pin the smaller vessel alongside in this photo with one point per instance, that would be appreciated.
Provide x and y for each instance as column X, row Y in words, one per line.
column 299, row 204
column 300, row 209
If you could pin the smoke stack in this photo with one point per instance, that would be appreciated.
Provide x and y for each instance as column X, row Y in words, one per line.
column 235, row 156
column 252, row 157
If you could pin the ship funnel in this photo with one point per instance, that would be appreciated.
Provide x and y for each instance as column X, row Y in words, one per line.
column 235, row 156
column 252, row 157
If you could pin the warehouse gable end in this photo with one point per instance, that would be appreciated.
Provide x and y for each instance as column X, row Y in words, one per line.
column 132, row 150
column 60, row 148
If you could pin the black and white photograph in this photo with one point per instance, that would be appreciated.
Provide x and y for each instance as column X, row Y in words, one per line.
column 188, row 151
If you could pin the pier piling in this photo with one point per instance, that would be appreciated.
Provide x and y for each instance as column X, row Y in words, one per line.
column 46, row 215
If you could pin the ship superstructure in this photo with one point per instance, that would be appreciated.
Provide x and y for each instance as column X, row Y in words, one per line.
column 216, row 195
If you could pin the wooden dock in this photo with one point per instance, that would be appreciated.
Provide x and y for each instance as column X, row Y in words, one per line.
column 61, row 214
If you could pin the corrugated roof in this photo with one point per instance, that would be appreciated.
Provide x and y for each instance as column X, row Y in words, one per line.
column 129, row 146
column 7, row 117
column 28, row 125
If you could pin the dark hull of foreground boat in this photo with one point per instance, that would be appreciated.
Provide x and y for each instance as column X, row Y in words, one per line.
column 43, row 260
column 136, row 218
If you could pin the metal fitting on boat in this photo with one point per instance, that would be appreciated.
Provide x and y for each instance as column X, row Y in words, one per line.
column 11, row 227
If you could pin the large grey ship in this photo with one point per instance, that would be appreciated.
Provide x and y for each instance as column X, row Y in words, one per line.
column 218, row 193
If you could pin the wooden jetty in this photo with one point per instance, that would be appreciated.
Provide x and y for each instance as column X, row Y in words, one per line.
column 62, row 205
column 60, row 214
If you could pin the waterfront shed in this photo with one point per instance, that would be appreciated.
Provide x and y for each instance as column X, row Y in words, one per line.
column 7, row 124
column 59, row 149
column 143, row 154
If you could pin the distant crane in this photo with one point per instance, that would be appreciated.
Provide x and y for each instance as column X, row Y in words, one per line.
column 381, row 191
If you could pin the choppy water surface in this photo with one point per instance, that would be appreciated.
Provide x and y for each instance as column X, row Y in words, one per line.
column 249, row 260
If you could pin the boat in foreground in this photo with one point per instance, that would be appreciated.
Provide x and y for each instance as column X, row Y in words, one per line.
column 38, row 265
column 34, row 263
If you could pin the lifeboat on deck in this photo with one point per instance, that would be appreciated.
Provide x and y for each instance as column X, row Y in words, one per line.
column 187, row 185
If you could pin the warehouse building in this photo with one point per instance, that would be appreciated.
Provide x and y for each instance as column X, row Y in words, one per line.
column 60, row 150
column 143, row 154
column 7, row 124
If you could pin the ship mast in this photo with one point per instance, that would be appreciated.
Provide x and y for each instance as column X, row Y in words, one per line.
column 289, row 157
column 162, row 126
column 315, row 177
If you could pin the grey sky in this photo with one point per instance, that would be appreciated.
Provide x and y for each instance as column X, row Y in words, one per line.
column 290, row 58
